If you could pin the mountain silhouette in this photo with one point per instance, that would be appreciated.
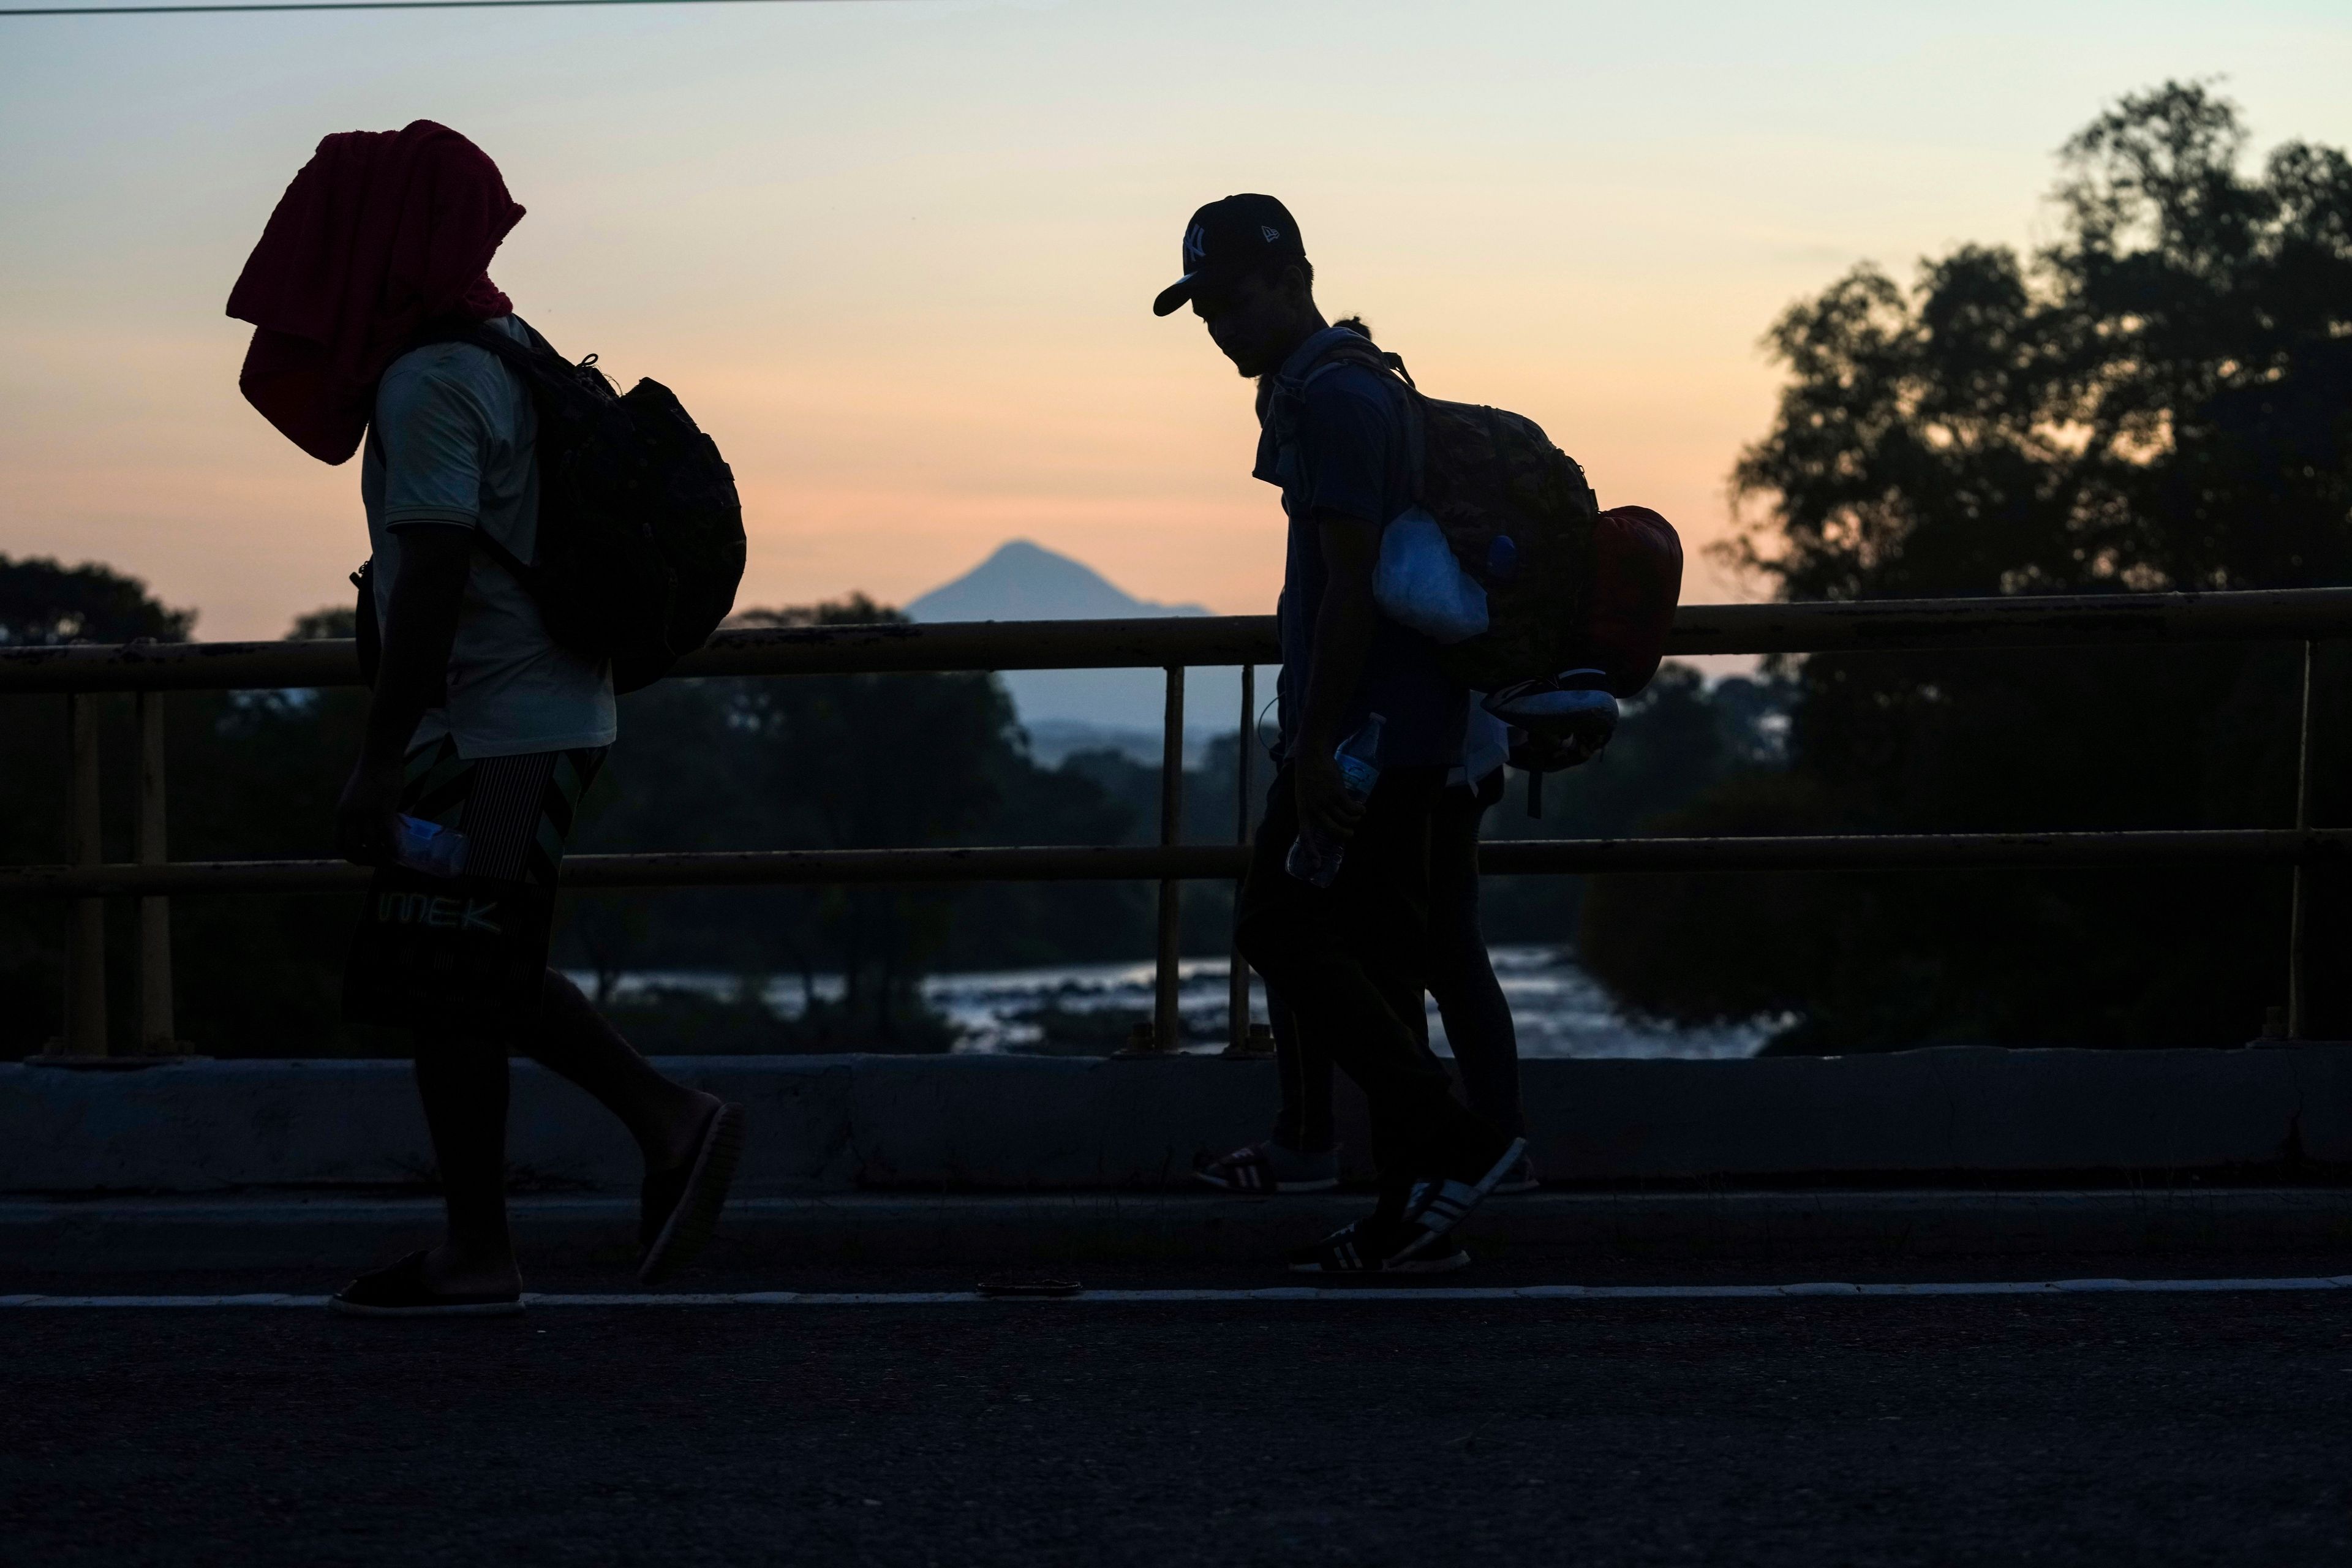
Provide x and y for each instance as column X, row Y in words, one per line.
column 1022, row 581
column 1026, row 582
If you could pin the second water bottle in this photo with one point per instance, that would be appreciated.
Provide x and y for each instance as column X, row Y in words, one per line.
column 1313, row 859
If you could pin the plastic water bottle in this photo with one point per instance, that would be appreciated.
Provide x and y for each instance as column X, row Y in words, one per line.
column 1311, row 859
column 427, row 846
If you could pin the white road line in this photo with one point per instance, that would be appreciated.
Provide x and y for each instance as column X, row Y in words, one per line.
column 1283, row 1293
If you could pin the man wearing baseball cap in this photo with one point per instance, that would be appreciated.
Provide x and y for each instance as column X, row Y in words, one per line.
column 1337, row 437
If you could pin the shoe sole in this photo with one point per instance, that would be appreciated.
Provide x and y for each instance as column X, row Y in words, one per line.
column 1455, row 1259
column 1480, row 1190
column 694, row 1221
column 455, row 1310
column 1322, row 1185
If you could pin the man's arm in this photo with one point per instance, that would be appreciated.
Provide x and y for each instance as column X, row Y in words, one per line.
column 1335, row 669
column 417, row 633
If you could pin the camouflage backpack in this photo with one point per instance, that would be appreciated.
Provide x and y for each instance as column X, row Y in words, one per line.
column 1567, row 586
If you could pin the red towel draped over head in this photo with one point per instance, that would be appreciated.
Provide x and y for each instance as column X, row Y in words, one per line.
column 381, row 232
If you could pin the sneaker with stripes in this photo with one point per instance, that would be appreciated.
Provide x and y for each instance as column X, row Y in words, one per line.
column 1374, row 1245
column 1269, row 1167
column 1440, row 1204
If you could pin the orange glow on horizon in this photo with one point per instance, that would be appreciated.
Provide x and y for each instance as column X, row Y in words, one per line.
column 897, row 259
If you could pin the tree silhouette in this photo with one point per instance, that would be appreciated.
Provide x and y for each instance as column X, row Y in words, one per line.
column 2161, row 398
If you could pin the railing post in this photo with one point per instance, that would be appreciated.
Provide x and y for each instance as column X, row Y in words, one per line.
column 85, row 1030
column 158, row 1037
column 1165, row 1020
column 2297, row 969
column 1237, row 1032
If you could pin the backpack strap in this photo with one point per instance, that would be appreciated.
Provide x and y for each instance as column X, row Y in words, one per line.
column 520, row 573
column 1364, row 354
column 466, row 330
column 528, row 361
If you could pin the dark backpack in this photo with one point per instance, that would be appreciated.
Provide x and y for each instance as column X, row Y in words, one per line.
column 1568, row 586
column 640, row 535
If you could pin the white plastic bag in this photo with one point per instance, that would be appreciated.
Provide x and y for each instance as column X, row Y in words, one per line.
column 1419, row 584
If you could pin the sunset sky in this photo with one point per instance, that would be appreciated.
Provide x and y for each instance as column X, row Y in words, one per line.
column 897, row 255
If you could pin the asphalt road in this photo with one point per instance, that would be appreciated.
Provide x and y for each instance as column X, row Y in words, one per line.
column 2143, row 1430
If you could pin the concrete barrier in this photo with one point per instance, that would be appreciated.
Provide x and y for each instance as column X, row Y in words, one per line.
column 835, row 1124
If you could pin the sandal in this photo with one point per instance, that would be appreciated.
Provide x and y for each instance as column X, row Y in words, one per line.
column 678, row 1208
column 399, row 1290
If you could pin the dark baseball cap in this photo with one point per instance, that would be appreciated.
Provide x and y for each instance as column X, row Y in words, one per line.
column 1228, row 239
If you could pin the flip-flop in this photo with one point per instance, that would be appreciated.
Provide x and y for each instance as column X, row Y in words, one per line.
column 680, row 1207
column 399, row 1290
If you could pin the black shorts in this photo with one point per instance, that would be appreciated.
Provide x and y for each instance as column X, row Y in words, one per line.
column 468, row 953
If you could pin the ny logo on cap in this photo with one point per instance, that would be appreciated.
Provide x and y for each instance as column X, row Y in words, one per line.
column 1196, row 243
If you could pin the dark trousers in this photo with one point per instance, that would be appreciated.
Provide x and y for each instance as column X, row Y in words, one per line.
column 1304, row 1123
column 1350, row 962
column 1460, row 978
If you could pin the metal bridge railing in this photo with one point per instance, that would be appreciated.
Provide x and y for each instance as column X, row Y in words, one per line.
column 152, row 669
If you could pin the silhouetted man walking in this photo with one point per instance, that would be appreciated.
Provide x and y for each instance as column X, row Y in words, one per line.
column 1302, row 1156
column 1350, row 958
column 482, row 733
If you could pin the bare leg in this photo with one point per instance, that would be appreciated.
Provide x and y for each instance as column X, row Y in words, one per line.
column 666, row 1118
column 463, row 1084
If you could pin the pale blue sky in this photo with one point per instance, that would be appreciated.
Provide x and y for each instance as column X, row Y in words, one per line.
column 897, row 254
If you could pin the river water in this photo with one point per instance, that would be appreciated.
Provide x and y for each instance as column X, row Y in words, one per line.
column 1082, row 1009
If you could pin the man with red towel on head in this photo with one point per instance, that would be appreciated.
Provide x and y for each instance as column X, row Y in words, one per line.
column 482, row 733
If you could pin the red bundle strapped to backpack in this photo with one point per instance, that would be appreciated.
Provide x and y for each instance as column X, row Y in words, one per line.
column 1637, row 577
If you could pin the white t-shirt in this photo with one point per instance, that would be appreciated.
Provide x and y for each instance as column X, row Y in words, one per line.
column 452, row 443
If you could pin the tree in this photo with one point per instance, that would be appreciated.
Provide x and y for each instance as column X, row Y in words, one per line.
column 2161, row 399
column 42, row 602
